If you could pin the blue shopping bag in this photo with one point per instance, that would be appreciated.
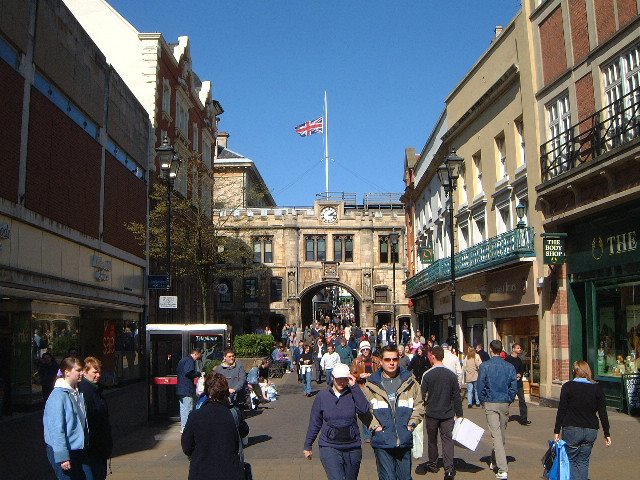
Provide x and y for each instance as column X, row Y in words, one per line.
column 560, row 470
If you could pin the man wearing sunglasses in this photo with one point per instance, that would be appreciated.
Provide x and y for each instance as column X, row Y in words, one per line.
column 396, row 406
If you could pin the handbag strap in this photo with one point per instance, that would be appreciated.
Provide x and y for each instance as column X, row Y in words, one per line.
column 237, row 422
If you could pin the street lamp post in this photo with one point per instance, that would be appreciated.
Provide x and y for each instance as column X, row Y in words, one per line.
column 393, row 239
column 448, row 174
column 169, row 166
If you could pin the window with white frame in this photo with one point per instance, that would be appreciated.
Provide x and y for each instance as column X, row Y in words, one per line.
column 182, row 116
column 501, row 156
column 621, row 78
column 428, row 201
column 503, row 218
column 559, row 125
column 477, row 171
column 479, row 229
column 522, row 158
column 463, row 240
column 463, row 180
column 166, row 96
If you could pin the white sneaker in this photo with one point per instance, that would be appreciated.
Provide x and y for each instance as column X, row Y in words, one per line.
column 501, row 475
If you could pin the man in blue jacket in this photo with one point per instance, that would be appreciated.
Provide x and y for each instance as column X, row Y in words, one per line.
column 186, row 389
column 497, row 387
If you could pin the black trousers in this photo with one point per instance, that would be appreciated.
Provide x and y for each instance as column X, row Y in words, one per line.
column 522, row 404
column 445, row 427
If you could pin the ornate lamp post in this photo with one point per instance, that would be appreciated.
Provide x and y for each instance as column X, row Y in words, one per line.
column 169, row 166
column 448, row 173
column 393, row 239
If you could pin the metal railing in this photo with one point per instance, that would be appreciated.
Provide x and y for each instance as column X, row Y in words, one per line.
column 609, row 128
column 503, row 248
column 347, row 198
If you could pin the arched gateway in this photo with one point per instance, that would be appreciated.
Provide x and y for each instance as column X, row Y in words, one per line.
column 329, row 298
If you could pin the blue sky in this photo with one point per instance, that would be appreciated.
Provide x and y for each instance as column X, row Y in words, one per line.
column 387, row 67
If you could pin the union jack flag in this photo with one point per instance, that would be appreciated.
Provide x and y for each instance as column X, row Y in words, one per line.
column 309, row 128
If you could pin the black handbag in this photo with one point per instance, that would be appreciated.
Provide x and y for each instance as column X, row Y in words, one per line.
column 549, row 457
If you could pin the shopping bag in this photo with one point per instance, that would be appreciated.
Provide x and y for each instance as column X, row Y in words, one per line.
column 418, row 441
column 467, row 433
column 548, row 457
column 560, row 470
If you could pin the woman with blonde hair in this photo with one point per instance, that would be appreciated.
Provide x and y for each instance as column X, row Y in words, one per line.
column 580, row 400
column 470, row 370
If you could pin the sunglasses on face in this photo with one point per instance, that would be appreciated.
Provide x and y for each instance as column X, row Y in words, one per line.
column 389, row 360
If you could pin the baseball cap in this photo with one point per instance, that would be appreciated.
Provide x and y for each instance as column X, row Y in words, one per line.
column 445, row 345
column 341, row 371
column 364, row 345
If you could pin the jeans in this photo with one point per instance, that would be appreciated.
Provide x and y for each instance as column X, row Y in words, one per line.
column 472, row 393
column 366, row 433
column 329, row 372
column 393, row 463
column 522, row 404
column 307, row 381
column 497, row 418
column 341, row 464
column 446, row 433
column 186, row 405
column 579, row 444
column 98, row 468
column 79, row 470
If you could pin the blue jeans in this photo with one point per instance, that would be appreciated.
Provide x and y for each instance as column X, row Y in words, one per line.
column 186, row 405
column 393, row 463
column 366, row 433
column 79, row 470
column 307, row 381
column 329, row 372
column 579, row 444
column 341, row 464
column 472, row 394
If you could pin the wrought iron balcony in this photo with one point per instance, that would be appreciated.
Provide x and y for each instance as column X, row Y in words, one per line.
column 612, row 127
column 498, row 250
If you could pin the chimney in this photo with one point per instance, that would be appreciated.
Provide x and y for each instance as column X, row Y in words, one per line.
column 498, row 30
column 222, row 140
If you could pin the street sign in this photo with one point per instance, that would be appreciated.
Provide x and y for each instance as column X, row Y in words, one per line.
column 158, row 282
column 554, row 250
column 168, row 301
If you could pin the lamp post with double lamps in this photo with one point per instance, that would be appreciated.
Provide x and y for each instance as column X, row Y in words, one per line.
column 448, row 173
column 169, row 165
column 393, row 240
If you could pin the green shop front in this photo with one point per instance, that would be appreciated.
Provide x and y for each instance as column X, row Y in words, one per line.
column 603, row 266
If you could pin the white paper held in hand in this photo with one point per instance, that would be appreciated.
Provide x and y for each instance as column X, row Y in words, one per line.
column 467, row 433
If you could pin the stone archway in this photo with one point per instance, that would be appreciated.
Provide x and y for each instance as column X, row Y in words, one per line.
column 310, row 298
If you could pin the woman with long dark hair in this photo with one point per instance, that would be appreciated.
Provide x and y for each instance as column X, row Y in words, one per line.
column 580, row 400
column 65, row 424
column 211, row 437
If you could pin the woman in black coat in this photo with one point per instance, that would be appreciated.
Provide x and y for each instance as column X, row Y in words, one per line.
column 419, row 364
column 210, row 437
column 100, row 443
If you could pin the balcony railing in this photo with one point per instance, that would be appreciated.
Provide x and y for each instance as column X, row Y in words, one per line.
column 501, row 249
column 615, row 125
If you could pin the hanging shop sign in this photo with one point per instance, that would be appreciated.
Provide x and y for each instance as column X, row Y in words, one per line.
column 426, row 255
column 554, row 249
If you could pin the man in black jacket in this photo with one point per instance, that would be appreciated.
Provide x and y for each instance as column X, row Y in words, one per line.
column 515, row 360
column 100, row 442
column 442, row 404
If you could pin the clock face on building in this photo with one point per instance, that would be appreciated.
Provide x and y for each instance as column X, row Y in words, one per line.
column 329, row 215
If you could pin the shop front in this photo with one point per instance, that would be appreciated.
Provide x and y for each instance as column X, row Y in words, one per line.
column 512, row 304
column 603, row 258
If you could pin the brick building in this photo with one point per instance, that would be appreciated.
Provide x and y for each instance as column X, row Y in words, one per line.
column 74, row 171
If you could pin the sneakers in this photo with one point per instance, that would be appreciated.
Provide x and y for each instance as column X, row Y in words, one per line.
column 501, row 475
column 449, row 474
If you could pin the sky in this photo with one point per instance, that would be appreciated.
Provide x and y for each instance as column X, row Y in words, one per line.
column 387, row 67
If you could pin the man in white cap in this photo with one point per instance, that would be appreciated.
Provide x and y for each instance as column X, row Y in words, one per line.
column 362, row 368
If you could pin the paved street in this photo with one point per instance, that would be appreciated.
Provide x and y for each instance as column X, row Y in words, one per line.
column 275, row 451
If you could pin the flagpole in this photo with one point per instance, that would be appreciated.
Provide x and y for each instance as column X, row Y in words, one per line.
column 326, row 146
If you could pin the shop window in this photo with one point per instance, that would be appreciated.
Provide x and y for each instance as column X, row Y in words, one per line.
column 618, row 330
column 381, row 295
column 276, row 289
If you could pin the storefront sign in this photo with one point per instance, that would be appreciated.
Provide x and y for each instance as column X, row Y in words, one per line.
column 426, row 255
column 632, row 392
column 168, row 301
column 553, row 248
column 102, row 268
